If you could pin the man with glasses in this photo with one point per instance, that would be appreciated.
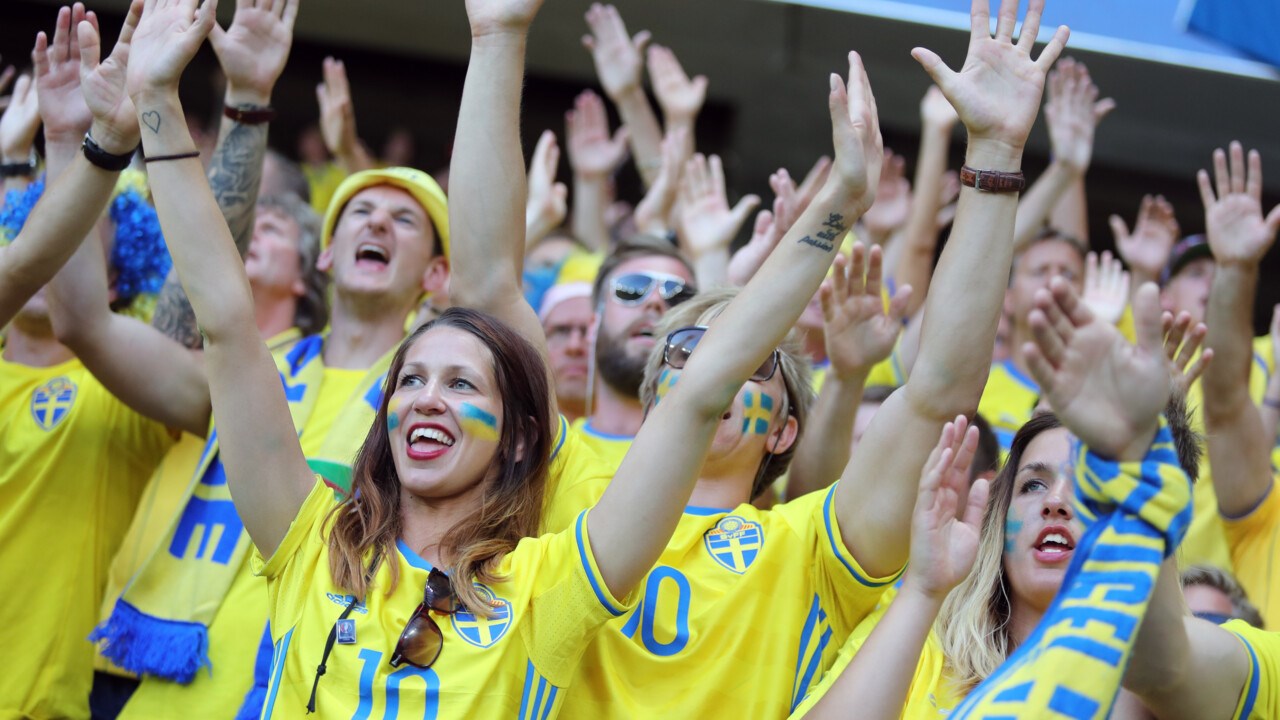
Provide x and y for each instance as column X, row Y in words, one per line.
column 637, row 283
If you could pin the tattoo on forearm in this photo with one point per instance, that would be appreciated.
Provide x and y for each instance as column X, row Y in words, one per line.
column 827, row 239
column 235, row 173
column 174, row 316
column 151, row 119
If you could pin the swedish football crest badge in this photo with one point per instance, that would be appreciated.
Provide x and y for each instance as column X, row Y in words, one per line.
column 51, row 402
column 484, row 632
column 734, row 542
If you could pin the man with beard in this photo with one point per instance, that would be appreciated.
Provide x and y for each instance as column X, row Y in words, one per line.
column 637, row 283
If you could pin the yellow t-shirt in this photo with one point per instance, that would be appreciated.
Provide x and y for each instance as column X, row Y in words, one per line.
column 517, row 663
column 1260, row 699
column 575, row 480
column 1008, row 401
column 932, row 693
column 743, row 611
column 237, row 629
column 324, row 182
column 887, row 373
column 73, row 463
column 1255, row 549
column 609, row 448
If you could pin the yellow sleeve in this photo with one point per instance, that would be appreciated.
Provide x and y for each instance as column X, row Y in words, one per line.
column 1253, row 540
column 850, row 592
column 575, row 482
column 569, row 602
column 1260, row 698
column 305, row 529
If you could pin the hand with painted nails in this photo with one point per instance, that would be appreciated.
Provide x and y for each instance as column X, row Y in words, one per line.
column 1147, row 248
column 1108, row 392
column 1106, row 287
column 859, row 331
column 946, row 525
column 997, row 91
column 705, row 223
column 1236, row 229
column 255, row 48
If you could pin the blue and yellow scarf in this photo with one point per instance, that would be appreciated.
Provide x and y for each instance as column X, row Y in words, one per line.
column 1073, row 663
column 159, row 626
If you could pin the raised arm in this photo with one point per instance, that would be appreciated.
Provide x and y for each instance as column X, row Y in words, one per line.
column 680, row 96
column 73, row 200
column 252, row 53
column 137, row 363
column 1072, row 114
column 18, row 127
column 594, row 157
column 619, row 61
column 1146, row 250
column 705, row 224
column 338, row 119
column 266, row 470
column 1239, row 237
column 859, row 333
column 945, row 528
column 996, row 94
column 634, row 519
column 547, row 205
column 910, row 261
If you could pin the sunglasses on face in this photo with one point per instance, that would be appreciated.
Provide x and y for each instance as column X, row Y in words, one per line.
column 631, row 289
column 421, row 641
column 680, row 345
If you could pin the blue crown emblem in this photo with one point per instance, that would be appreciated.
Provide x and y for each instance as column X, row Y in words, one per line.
column 484, row 632
column 51, row 402
column 734, row 542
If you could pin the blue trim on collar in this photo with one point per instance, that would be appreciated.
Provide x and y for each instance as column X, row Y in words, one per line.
column 586, row 428
column 412, row 557
column 1023, row 380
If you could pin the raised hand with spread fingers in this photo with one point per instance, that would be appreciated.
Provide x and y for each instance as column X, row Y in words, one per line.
column 1147, row 248
column 1106, row 286
column 705, row 223
column 619, row 63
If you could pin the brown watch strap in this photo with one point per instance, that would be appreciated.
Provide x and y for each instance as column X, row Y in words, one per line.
column 250, row 115
column 993, row 180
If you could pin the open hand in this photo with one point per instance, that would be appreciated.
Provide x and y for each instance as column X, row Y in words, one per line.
column 1147, row 248
column 705, row 222
column 997, row 91
column 680, row 96
column 893, row 199
column 619, row 58
column 20, row 122
column 592, row 153
column 254, row 50
column 855, row 129
column 1182, row 342
column 1107, row 392
column 63, row 110
column 168, row 36
column 859, row 332
column 547, row 205
column 654, row 209
column 945, row 530
column 1106, row 287
column 788, row 204
column 1072, row 113
column 1233, row 218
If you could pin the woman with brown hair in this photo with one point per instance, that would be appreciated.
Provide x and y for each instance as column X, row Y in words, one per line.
column 448, row 486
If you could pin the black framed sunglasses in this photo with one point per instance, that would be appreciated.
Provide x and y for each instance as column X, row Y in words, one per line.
column 421, row 640
column 681, row 342
column 632, row 288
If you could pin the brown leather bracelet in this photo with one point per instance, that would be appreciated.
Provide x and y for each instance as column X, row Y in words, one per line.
column 250, row 115
column 993, row 181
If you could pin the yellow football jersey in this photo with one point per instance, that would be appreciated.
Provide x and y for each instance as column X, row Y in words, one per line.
column 1255, row 544
column 516, row 664
column 1260, row 698
column 73, row 463
column 932, row 693
column 887, row 373
column 609, row 448
column 576, row 479
column 1008, row 401
column 743, row 612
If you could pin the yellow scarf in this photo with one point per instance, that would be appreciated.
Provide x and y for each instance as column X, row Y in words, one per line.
column 1073, row 663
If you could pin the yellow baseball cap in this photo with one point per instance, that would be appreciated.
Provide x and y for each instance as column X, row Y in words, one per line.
column 420, row 185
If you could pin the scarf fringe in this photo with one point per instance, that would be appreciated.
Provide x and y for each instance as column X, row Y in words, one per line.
column 145, row 644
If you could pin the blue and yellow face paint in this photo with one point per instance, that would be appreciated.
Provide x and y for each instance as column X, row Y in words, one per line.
column 393, row 414
column 666, row 380
column 478, row 423
column 757, row 410
column 1012, row 527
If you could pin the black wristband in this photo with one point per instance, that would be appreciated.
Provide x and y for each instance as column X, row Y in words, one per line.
column 12, row 170
column 103, row 159
column 249, row 114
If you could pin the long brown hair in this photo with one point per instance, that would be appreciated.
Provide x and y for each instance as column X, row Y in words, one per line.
column 367, row 523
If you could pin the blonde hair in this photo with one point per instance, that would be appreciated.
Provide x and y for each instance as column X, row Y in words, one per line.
column 702, row 309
